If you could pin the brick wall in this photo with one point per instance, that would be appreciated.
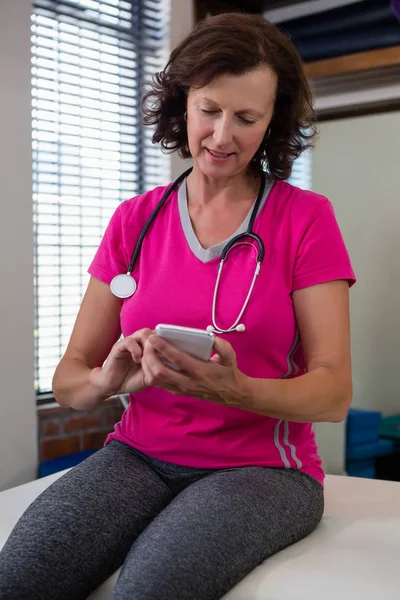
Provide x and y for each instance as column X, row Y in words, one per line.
column 65, row 431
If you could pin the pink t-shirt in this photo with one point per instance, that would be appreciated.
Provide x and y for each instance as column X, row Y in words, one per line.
column 176, row 279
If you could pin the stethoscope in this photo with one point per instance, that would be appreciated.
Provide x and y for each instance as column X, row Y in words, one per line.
column 124, row 285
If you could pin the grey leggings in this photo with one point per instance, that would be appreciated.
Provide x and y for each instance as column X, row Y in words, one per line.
column 181, row 533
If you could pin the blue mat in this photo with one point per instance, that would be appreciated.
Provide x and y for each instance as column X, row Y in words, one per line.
column 55, row 465
column 363, row 451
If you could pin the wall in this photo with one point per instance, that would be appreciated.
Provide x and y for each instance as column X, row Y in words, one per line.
column 63, row 431
column 356, row 164
column 18, row 429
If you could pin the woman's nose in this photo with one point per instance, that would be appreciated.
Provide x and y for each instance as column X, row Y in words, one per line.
column 222, row 132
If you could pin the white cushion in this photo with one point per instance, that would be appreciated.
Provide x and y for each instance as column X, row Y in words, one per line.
column 354, row 553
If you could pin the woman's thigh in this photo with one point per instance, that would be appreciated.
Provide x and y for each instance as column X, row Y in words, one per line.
column 216, row 531
column 75, row 534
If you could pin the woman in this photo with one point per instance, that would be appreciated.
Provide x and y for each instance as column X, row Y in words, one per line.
column 214, row 466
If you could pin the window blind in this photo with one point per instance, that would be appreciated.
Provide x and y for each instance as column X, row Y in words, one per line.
column 90, row 59
column 302, row 171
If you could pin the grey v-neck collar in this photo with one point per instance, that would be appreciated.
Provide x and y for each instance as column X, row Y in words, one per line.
column 208, row 254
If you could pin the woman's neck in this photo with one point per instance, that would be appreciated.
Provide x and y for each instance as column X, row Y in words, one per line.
column 203, row 190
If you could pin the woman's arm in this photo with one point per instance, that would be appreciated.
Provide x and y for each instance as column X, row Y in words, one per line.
column 96, row 329
column 324, row 393
column 95, row 365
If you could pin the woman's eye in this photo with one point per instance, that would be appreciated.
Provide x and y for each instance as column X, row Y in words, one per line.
column 246, row 121
column 210, row 111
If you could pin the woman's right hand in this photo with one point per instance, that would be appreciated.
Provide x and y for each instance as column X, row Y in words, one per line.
column 122, row 372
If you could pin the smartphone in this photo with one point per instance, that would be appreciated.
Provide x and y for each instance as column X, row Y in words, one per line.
column 196, row 342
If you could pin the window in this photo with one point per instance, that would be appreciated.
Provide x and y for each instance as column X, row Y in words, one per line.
column 302, row 171
column 90, row 59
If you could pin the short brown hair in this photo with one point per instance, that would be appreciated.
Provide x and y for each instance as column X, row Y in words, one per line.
column 235, row 43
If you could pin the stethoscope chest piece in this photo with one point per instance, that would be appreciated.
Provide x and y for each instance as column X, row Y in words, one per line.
column 123, row 286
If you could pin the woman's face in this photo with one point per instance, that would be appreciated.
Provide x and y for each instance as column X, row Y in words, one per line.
column 227, row 120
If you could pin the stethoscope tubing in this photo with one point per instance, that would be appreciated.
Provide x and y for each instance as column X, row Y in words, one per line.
column 124, row 285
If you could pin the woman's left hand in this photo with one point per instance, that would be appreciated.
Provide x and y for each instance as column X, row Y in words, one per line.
column 218, row 380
